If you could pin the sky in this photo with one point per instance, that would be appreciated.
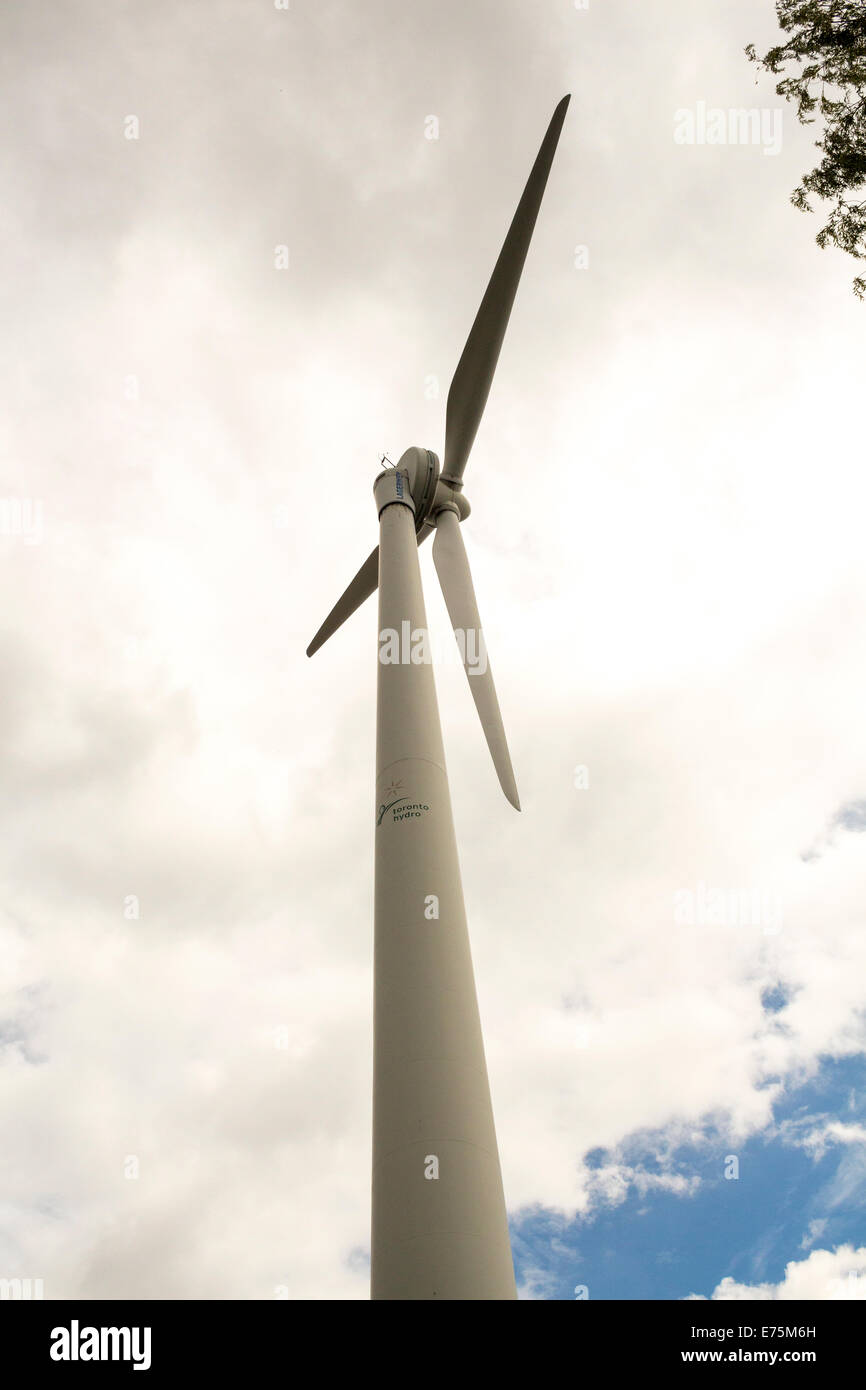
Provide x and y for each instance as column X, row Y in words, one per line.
column 243, row 247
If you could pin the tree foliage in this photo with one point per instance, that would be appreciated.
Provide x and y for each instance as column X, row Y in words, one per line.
column 826, row 43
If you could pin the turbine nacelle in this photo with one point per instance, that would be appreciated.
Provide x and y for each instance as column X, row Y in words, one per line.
column 429, row 491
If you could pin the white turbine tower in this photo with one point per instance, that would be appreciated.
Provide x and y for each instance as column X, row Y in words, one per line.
column 439, row 1225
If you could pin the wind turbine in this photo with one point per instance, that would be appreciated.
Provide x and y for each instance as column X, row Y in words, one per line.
column 439, row 1224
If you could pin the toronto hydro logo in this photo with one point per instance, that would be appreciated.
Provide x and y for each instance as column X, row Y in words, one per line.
column 398, row 803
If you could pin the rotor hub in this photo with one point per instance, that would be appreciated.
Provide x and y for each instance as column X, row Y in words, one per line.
column 431, row 492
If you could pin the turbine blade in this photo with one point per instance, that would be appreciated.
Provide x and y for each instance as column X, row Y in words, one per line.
column 365, row 583
column 452, row 567
column 470, row 386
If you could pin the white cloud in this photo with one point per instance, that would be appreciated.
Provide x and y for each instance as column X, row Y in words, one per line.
column 815, row 1231
column 825, row 1274
column 610, row 1184
column 818, row 1140
column 668, row 556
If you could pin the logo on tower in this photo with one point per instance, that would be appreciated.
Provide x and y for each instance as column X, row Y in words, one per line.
column 397, row 802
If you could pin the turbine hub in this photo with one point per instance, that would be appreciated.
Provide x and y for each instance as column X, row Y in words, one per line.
column 422, row 466
column 449, row 499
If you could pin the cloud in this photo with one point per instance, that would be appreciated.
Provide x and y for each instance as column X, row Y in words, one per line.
column 815, row 1231
column 851, row 817
column 824, row 1274
column 610, row 1184
column 671, row 590
column 817, row 1140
